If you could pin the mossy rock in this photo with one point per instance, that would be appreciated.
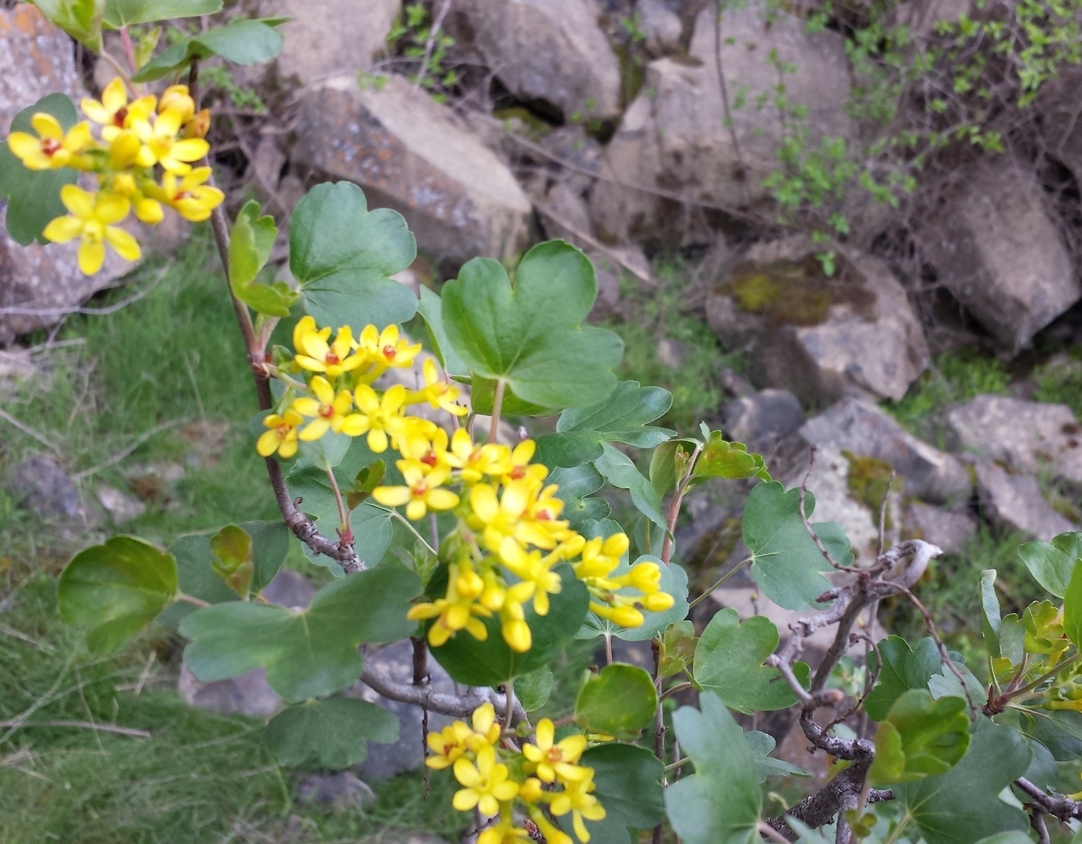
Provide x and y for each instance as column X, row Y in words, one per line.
column 869, row 481
column 798, row 292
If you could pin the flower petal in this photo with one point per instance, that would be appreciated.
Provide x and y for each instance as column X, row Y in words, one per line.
column 126, row 246
column 91, row 255
column 78, row 201
column 47, row 126
column 191, row 149
column 63, row 229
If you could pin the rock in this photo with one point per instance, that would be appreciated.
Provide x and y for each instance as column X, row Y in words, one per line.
column 341, row 790
column 412, row 154
column 1027, row 437
column 330, row 38
column 547, row 50
column 1015, row 502
column 249, row 694
column 661, row 27
column 407, row 754
column 120, row 506
column 762, row 420
column 41, row 486
column 819, row 337
column 39, row 285
column 866, row 430
column 1059, row 126
column 948, row 529
column 289, row 589
column 565, row 215
column 675, row 146
column 997, row 249
column 672, row 353
column 576, row 155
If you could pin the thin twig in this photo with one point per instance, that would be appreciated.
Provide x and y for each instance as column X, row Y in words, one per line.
column 453, row 704
column 30, row 432
column 437, row 23
column 120, row 455
column 84, row 725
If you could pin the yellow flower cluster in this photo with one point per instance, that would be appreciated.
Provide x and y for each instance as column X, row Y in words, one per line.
column 541, row 776
column 509, row 537
column 136, row 138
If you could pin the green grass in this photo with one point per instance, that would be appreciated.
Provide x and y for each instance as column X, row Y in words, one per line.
column 954, row 378
column 174, row 355
column 1060, row 382
column 665, row 313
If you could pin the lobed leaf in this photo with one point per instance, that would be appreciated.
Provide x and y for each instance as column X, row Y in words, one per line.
column 620, row 700
column 920, row 737
column 243, row 42
column 333, row 733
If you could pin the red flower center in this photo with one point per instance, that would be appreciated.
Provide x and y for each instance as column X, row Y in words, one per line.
column 419, row 489
column 332, row 359
column 430, row 458
column 50, row 146
column 184, row 194
column 389, row 352
column 326, row 411
column 120, row 116
column 283, row 430
column 518, row 473
column 543, row 516
column 554, row 755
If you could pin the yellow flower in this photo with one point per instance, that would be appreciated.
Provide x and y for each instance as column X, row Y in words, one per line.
column 551, row 760
column 114, row 112
column 175, row 98
column 146, row 210
column 486, row 729
column 577, row 799
column 452, row 613
column 327, row 409
column 386, row 348
column 513, row 627
column 473, row 461
column 447, row 745
column 421, row 492
column 92, row 216
column 52, row 148
column 161, row 146
column 505, row 832
column 437, row 392
column 380, row 418
column 189, row 196
column 535, row 572
column 601, row 556
column 486, row 783
column 551, row 833
column 515, row 463
column 282, row 436
column 316, row 355
column 425, row 449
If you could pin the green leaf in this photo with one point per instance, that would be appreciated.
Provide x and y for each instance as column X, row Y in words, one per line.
column 785, row 560
column 621, row 418
column 34, row 195
column 120, row 13
column 1052, row 563
column 249, row 250
column 668, row 462
column 81, row 19
column 533, row 689
column 309, row 653
column 903, row 669
column 430, row 309
column 767, row 766
column 676, row 649
column 721, row 801
column 733, row 461
column 483, row 394
column 619, row 470
column 1072, row 608
column 116, row 589
column 575, row 486
column 990, row 612
column 343, row 255
column 1059, row 731
column 963, row 805
column 333, row 733
column 920, row 737
column 530, row 335
column 628, row 784
column 492, row 662
column 729, row 662
column 619, row 700
column 231, row 550
column 243, row 42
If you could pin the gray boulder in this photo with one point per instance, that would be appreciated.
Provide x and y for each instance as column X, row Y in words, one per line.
column 661, row 27
column 547, row 50
column 819, row 337
column 39, row 285
column 949, row 529
column 1014, row 502
column 331, row 37
column 677, row 146
column 866, row 430
column 42, row 487
column 997, row 249
column 1060, row 127
column 413, row 155
column 762, row 420
column 1025, row 436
